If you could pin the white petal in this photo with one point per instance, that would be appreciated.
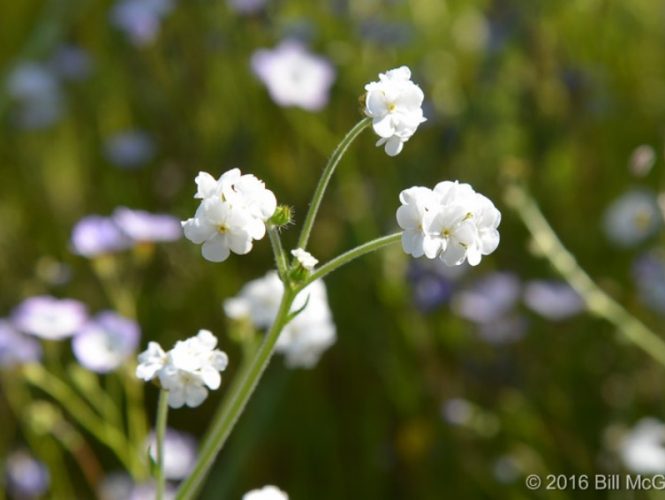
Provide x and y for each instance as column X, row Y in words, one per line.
column 215, row 249
column 394, row 146
column 195, row 395
column 176, row 398
column 207, row 185
column 454, row 255
column 412, row 243
column 211, row 377
column 197, row 230
column 384, row 126
column 240, row 243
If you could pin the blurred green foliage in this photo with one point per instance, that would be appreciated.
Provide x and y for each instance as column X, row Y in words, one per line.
column 561, row 91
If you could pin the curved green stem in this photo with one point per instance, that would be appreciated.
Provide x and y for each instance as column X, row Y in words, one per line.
column 160, row 431
column 224, row 423
column 278, row 251
column 325, row 179
column 597, row 301
column 350, row 255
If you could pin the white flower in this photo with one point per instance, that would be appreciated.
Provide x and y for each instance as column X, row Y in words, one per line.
column 187, row 371
column 305, row 258
column 232, row 213
column 395, row 105
column 642, row 449
column 266, row 493
column 304, row 338
column 294, row 76
column 451, row 222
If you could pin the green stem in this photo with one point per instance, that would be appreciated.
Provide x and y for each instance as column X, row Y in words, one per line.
column 224, row 423
column 352, row 254
column 325, row 179
column 162, row 414
column 278, row 251
column 597, row 301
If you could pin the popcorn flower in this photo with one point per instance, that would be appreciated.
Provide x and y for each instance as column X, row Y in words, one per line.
column 187, row 371
column 451, row 222
column 642, row 450
column 395, row 105
column 233, row 212
column 305, row 258
column 268, row 492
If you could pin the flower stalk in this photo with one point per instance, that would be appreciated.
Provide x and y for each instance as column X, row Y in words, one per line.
column 162, row 415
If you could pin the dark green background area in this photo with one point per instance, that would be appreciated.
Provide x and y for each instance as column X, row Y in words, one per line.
column 561, row 90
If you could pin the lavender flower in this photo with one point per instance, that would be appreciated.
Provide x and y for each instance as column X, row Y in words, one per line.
column 294, row 76
column 26, row 477
column 489, row 298
column 632, row 218
column 96, row 235
column 129, row 149
column 140, row 20
column 432, row 283
column 48, row 317
column 106, row 342
column 36, row 92
column 141, row 226
column 16, row 348
column 71, row 63
column 649, row 276
column 554, row 300
column 180, row 453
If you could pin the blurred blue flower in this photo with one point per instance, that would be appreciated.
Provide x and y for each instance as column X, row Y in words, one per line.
column 96, row 235
column 504, row 329
column 554, row 300
column 129, row 149
column 649, row 276
column 140, row 20
column 48, row 317
column 180, row 453
column 294, row 76
column 246, row 6
column 386, row 33
column 16, row 348
column 26, row 477
column 144, row 227
column 488, row 298
column 106, row 342
column 70, row 62
column 431, row 282
column 632, row 218
column 35, row 91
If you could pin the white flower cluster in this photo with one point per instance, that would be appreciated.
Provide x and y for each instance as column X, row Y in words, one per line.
column 395, row 105
column 451, row 222
column 268, row 492
column 304, row 338
column 305, row 259
column 187, row 371
column 232, row 213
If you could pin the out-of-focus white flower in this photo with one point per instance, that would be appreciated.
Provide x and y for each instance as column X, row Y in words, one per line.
column 48, row 317
column 294, row 76
column 395, row 105
column 179, row 453
column 302, row 340
column 187, row 371
column 104, row 343
column 232, row 213
column 642, row 160
column 632, row 218
column 451, row 222
column 643, row 448
column 305, row 258
column 266, row 493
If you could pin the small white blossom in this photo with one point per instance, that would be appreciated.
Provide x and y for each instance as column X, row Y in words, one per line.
column 266, row 493
column 305, row 258
column 643, row 448
column 304, row 338
column 451, row 222
column 187, row 371
column 232, row 213
column 395, row 105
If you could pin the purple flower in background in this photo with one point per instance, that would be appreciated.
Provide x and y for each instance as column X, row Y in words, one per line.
column 96, row 235
column 120, row 486
column 36, row 93
column 49, row 318
column 143, row 226
column 489, row 298
column 71, row 63
column 180, row 453
column 129, row 149
column 432, row 284
column 26, row 477
column 649, row 276
column 503, row 330
column 105, row 342
column 16, row 348
column 554, row 300
column 246, row 6
column 294, row 76
column 140, row 19
column 632, row 218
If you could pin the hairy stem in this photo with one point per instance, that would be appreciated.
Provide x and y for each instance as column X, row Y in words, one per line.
column 162, row 414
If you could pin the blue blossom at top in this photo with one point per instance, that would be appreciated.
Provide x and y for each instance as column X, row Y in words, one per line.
column 632, row 218
column 35, row 92
column 649, row 275
column 129, row 149
column 17, row 348
column 140, row 20
column 554, row 300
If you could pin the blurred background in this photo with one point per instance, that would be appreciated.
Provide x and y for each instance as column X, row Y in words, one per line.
column 441, row 383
